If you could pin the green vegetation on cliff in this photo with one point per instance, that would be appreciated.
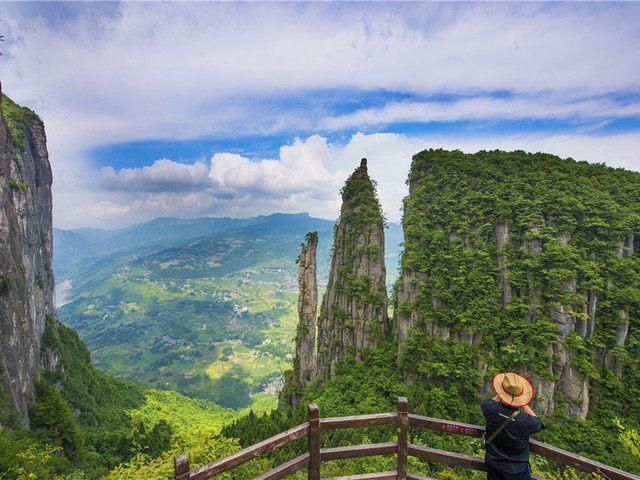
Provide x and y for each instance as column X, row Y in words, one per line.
column 18, row 119
column 87, row 424
column 360, row 205
column 101, row 402
column 51, row 415
column 360, row 212
column 353, row 314
column 568, row 295
column 512, row 261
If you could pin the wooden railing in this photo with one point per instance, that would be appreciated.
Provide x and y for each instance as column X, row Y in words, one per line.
column 312, row 459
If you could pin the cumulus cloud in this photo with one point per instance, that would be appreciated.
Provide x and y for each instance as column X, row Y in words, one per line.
column 304, row 177
column 163, row 175
column 300, row 168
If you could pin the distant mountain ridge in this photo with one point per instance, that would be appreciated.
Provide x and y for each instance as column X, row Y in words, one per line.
column 73, row 248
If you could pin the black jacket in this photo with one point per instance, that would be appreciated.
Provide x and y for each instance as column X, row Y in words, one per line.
column 509, row 451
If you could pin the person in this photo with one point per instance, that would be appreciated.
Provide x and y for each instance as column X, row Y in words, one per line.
column 509, row 422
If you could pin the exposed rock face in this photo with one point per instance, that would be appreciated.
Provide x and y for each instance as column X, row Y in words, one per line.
column 533, row 244
column 406, row 290
column 501, row 231
column 353, row 315
column 626, row 246
column 572, row 384
column 305, row 362
column 26, row 275
column 472, row 257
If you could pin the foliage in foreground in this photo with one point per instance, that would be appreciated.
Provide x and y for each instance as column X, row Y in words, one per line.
column 373, row 386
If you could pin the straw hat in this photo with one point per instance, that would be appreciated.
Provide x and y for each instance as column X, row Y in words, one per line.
column 514, row 390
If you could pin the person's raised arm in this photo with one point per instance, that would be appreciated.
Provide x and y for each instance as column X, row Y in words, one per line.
column 528, row 410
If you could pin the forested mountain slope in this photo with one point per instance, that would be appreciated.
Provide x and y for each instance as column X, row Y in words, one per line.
column 210, row 318
column 512, row 261
column 73, row 247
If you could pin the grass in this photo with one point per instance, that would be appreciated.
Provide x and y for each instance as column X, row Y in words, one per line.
column 250, row 361
column 262, row 403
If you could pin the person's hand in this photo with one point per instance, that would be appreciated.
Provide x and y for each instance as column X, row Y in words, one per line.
column 528, row 410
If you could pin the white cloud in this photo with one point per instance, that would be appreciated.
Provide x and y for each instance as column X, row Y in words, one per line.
column 299, row 169
column 102, row 210
column 188, row 70
column 163, row 175
column 308, row 174
column 484, row 108
column 167, row 71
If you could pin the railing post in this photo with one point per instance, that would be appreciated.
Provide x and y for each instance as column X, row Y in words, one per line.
column 403, row 427
column 181, row 467
column 314, row 442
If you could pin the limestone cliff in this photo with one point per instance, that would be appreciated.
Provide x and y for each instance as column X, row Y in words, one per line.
column 353, row 315
column 529, row 261
column 305, row 362
column 26, row 273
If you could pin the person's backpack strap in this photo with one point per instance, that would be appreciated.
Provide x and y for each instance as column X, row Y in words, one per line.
column 487, row 441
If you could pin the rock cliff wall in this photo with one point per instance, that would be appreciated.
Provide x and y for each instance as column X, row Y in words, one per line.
column 26, row 270
column 353, row 315
column 528, row 260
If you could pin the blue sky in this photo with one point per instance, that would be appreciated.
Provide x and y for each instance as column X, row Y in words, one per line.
column 183, row 109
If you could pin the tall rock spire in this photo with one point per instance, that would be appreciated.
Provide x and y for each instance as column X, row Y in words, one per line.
column 305, row 359
column 353, row 315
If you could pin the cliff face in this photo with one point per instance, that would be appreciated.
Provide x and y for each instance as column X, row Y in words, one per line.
column 353, row 315
column 528, row 263
column 26, row 275
column 305, row 362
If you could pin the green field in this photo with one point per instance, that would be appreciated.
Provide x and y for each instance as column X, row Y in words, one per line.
column 201, row 337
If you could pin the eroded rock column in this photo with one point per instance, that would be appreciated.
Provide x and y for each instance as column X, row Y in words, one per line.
column 353, row 315
column 305, row 362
